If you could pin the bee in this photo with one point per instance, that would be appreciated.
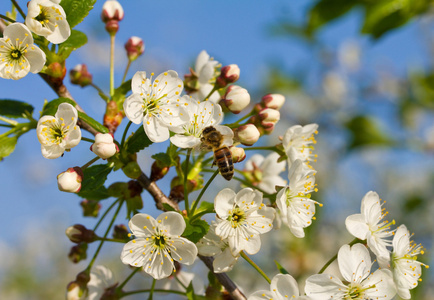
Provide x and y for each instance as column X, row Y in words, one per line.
column 213, row 139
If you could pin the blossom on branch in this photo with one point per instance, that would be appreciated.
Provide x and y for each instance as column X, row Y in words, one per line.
column 298, row 141
column 282, row 287
column 157, row 244
column 18, row 55
column 156, row 103
column 101, row 278
column 59, row 133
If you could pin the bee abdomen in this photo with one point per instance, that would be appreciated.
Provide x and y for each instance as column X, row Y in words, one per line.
column 223, row 160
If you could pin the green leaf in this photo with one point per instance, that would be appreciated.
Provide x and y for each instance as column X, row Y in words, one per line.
column 138, row 141
column 7, row 146
column 75, row 41
column 162, row 157
column 94, row 194
column 282, row 270
column 195, row 230
column 95, row 124
column 205, row 208
column 15, row 109
column 167, row 207
column 76, row 10
column 93, row 178
column 121, row 91
column 365, row 131
column 190, row 292
column 51, row 107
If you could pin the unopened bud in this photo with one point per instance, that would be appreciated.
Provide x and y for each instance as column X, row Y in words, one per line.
column 134, row 47
column 269, row 117
column 228, row 74
column 236, row 99
column 247, row 134
column 80, row 75
column 104, row 145
column 238, row 154
column 118, row 189
column 78, row 253
column 110, row 294
column 274, row 101
column 70, row 180
column 90, row 208
column 113, row 116
column 134, row 188
column 56, row 70
column 78, row 233
column 74, row 291
column 112, row 27
column 112, row 11
column 120, row 232
column 158, row 170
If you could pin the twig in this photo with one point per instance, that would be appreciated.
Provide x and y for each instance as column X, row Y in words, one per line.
column 156, row 193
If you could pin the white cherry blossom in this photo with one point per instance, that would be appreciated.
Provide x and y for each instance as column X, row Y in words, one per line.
column 359, row 283
column 200, row 115
column 368, row 225
column 282, row 287
column 59, row 133
column 263, row 172
column 156, row 103
column 100, row 279
column 293, row 201
column 205, row 70
column 157, row 244
column 48, row 19
column 241, row 218
column 18, row 54
column 297, row 142
column 212, row 245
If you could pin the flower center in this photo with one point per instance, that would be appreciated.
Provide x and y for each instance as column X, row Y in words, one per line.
column 152, row 105
column 354, row 292
column 159, row 241
column 237, row 217
column 16, row 54
column 43, row 16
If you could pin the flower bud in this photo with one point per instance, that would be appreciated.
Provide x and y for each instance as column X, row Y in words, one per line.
column 70, row 180
column 120, row 232
column 74, row 291
column 112, row 11
column 78, row 253
column 79, row 75
column 104, row 146
column 269, row 117
column 90, row 208
column 236, row 99
column 247, row 134
column 113, row 116
column 112, row 27
column 56, row 70
column 134, row 188
column 274, row 101
column 118, row 189
column 228, row 74
column 78, row 233
column 158, row 170
column 132, row 170
column 238, row 154
column 134, row 47
column 110, row 294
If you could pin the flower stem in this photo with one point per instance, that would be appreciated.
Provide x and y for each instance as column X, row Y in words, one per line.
column 105, row 236
column 110, row 240
column 7, row 18
column 327, row 264
column 151, row 293
column 126, row 71
column 9, row 121
column 125, row 134
column 89, row 163
column 210, row 93
column 112, row 64
column 187, row 206
column 105, row 214
column 203, row 191
column 119, row 288
column 252, row 113
column 243, row 255
column 87, row 140
column 19, row 9
column 155, row 290
column 100, row 92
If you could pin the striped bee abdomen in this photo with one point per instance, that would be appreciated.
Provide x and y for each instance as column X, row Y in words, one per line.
column 223, row 160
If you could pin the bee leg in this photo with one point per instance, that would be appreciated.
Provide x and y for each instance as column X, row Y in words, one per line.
column 214, row 163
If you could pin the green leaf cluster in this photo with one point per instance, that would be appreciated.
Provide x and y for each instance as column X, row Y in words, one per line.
column 94, row 177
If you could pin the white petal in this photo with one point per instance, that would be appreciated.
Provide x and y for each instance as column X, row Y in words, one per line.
column 36, row 58
column 248, row 199
column 270, row 166
column 384, row 286
column 138, row 83
column 133, row 108
column 285, row 285
column 52, row 151
column 254, row 161
column 132, row 253
column 161, row 266
column 155, row 131
column 184, row 141
column 173, row 222
column 354, row 263
column 324, row 286
column 183, row 251
column 223, row 202
column 262, row 295
column 73, row 138
column 18, row 31
column 201, row 60
column 253, row 245
column 141, row 225
column 357, row 226
column 224, row 262
column 371, row 208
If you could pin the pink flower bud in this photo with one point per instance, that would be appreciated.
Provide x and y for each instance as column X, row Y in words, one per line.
column 228, row 74
column 269, row 117
column 79, row 75
column 112, row 11
column 104, row 146
column 236, row 99
column 274, row 101
column 70, row 180
column 78, row 233
column 238, row 154
column 247, row 134
column 134, row 47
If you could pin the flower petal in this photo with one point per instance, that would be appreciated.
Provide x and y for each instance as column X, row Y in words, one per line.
column 223, row 202
column 183, row 251
column 133, row 108
column 285, row 286
column 224, row 262
column 354, row 262
column 324, row 286
column 356, row 226
column 142, row 225
column 52, row 151
column 155, row 131
column 184, row 141
column 173, row 222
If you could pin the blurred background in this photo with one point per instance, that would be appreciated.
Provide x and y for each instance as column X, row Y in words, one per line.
column 363, row 70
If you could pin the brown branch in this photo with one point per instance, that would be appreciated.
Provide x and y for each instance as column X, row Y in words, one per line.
column 156, row 193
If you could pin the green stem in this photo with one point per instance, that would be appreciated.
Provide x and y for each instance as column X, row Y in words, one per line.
column 243, row 255
column 87, row 140
column 125, row 134
column 355, row 241
column 19, row 9
column 126, row 71
column 252, row 113
column 105, row 236
column 203, row 191
column 151, row 293
column 100, row 92
column 187, row 206
column 112, row 64
column 210, row 93
column 89, row 163
column 105, row 214
column 119, row 288
column 111, row 240
column 7, row 18
column 155, row 290
column 270, row 148
column 9, row 121
column 7, row 125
